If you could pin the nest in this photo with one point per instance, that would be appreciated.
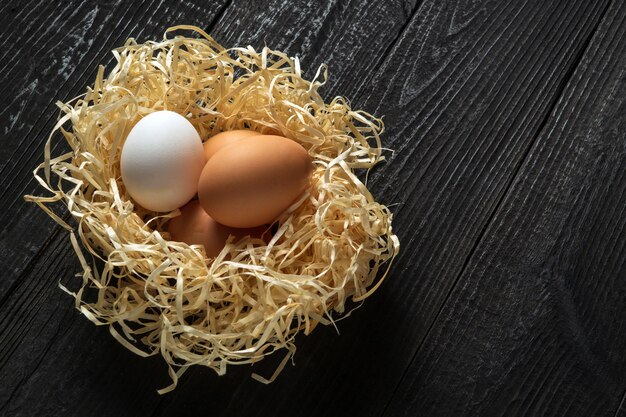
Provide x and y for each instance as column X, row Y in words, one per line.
column 163, row 297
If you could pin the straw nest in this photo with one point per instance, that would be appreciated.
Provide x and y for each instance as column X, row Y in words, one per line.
column 163, row 297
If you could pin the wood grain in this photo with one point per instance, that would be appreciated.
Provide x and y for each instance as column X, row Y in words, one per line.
column 536, row 324
column 466, row 88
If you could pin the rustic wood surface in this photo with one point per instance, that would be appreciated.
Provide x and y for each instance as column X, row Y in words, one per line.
column 508, row 184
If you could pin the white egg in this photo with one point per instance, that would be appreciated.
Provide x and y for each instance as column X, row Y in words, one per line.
column 161, row 161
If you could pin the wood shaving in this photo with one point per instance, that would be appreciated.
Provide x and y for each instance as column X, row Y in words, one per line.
column 163, row 297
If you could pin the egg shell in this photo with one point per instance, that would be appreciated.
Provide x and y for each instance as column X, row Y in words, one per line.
column 253, row 181
column 195, row 227
column 161, row 161
column 227, row 138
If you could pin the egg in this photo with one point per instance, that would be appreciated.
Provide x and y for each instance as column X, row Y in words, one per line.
column 219, row 141
column 195, row 227
column 254, row 180
column 161, row 161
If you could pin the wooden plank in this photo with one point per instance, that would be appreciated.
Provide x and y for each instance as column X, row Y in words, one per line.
column 536, row 324
column 32, row 331
column 465, row 92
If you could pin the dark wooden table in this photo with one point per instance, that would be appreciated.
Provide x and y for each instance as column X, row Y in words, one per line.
column 508, row 183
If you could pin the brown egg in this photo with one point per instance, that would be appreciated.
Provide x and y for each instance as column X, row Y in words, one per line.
column 195, row 227
column 253, row 181
column 217, row 142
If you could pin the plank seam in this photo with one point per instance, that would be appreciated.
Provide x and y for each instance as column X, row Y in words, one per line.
column 621, row 404
column 386, row 54
column 380, row 61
